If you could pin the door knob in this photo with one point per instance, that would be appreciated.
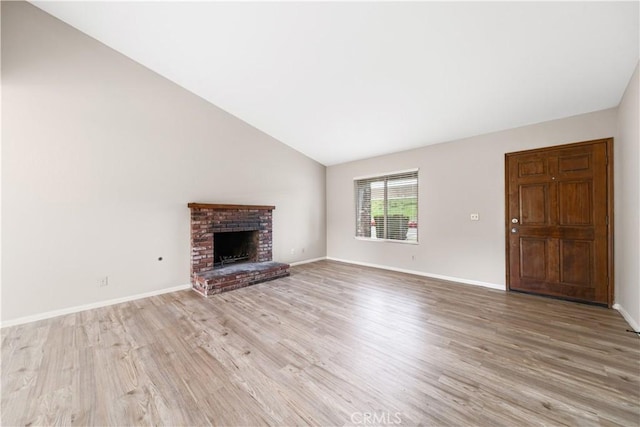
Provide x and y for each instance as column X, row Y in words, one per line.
column 514, row 230
column 514, row 220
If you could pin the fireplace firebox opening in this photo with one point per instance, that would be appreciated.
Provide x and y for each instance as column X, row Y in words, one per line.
column 235, row 246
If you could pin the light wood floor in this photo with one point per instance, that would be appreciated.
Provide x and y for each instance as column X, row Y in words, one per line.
column 334, row 344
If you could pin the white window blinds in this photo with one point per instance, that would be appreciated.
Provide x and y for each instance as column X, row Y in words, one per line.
column 387, row 207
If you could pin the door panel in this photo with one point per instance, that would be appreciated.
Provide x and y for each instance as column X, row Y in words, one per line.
column 533, row 204
column 532, row 167
column 534, row 250
column 558, row 203
column 575, row 206
column 575, row 254
column 573, row 163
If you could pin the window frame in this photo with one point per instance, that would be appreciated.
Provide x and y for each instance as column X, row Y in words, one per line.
column 386, row 177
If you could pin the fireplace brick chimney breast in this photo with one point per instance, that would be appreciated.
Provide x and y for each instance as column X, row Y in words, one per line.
column 207, row 276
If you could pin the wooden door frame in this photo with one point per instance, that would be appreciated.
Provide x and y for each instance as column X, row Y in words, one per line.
column 610, row 200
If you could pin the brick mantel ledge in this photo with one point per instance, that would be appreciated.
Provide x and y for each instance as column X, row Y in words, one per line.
column 215, row 206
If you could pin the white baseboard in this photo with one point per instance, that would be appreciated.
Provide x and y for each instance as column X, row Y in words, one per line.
column 307, row 261
column 634, row 325
column 422, row 273
column 76, row 309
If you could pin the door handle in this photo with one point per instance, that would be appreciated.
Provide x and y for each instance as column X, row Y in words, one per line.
column 514, row 230
column 514, row 220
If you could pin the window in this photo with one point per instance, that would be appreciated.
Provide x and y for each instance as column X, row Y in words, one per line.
column 387, row 206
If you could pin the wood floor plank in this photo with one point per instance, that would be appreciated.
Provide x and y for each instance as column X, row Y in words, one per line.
column 332, row 344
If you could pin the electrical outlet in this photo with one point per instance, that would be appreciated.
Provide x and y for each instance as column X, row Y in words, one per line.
column 293, row 251
column 103, row 281
column 475, row 217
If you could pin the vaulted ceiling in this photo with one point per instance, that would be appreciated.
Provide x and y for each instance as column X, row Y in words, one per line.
column 344, row 81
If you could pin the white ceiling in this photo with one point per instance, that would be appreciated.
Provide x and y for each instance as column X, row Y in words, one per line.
column 344, row 81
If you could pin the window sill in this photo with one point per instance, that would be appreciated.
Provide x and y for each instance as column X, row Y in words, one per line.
column 405, row 242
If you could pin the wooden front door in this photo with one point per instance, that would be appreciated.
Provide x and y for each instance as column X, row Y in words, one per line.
column 559, row 205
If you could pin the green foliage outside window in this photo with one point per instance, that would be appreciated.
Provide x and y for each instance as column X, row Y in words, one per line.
column 407, row 207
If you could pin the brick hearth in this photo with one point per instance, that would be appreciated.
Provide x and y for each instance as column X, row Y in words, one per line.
column 238, row 276
column 208, row 276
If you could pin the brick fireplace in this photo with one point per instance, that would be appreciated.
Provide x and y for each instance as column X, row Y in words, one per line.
column 231, row 247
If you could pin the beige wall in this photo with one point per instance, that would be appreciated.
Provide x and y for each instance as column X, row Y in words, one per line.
column 627, row 204
column 100, row 157
column 456, row 179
